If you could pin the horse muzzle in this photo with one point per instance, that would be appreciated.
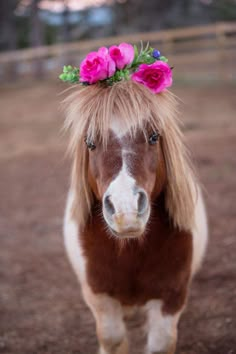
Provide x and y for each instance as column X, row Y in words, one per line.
column 127, row 219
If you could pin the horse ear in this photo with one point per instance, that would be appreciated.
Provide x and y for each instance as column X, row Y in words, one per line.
column 81, row 208
column 180, row 193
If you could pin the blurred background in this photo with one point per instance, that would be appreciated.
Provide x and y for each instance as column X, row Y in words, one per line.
column 199, row 33
column 41, row 306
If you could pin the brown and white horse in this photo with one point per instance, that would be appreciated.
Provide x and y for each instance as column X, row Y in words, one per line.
column 135, row 225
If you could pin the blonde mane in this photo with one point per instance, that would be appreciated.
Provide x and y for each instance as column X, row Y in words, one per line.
column 89, row 112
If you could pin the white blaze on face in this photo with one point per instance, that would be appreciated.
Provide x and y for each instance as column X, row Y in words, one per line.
column 121, row 191
column 125, row 206
column 124, row 200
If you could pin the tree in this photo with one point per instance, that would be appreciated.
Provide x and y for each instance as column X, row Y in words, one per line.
column 65, row 25
column 8, row 25
column 36, row 35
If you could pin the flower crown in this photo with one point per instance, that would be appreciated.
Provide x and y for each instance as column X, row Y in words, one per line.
column 123, row 62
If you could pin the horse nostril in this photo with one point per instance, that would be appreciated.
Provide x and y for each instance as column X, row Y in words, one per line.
column 142, row 202
column 108, row 205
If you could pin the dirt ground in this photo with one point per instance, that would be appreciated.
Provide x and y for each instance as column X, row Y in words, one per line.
column 41, row 308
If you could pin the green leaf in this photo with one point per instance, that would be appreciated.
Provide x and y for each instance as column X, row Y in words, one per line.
column 162, row 58
column 75, row 79
column 135, row 52
column 69, row 76
column 63, row 77
column 68, row 69
column 150, row 60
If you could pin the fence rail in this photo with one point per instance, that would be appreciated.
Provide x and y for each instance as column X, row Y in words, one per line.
column 196, row 52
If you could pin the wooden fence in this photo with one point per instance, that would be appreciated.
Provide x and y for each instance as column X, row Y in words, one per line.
column 202, row 52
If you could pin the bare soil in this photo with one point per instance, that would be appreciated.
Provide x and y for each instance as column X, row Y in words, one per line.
column 41, row 307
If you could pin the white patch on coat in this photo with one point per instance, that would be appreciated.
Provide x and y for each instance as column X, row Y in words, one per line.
column 161, row 329
column 109, row 321
column 71, row 240
column 118, row 127
column 200, row 233
column 107, row 311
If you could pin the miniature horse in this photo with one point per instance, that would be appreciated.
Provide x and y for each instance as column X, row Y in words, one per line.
column 135, row 225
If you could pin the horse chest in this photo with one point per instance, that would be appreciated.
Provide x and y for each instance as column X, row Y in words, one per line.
column 157, row 267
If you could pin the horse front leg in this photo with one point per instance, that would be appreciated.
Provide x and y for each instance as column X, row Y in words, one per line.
column 162, row 329
column 110, row 326
column 111, row 331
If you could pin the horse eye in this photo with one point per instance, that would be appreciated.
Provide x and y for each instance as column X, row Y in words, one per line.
column 153, row 138
column 90, row 144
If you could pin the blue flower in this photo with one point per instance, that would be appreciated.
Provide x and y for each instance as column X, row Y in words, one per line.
column 156, row 54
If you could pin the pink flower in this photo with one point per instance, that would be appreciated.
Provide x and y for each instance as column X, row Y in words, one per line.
column 97, row 66
column 122, row 55
column 156, row 76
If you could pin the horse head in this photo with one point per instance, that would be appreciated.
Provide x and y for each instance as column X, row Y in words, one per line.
column 128, row 150
column 126, row 176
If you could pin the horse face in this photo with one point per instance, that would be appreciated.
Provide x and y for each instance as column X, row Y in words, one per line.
column 126, row 177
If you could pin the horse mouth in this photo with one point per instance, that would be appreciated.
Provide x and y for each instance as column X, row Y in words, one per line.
column 129, row 234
